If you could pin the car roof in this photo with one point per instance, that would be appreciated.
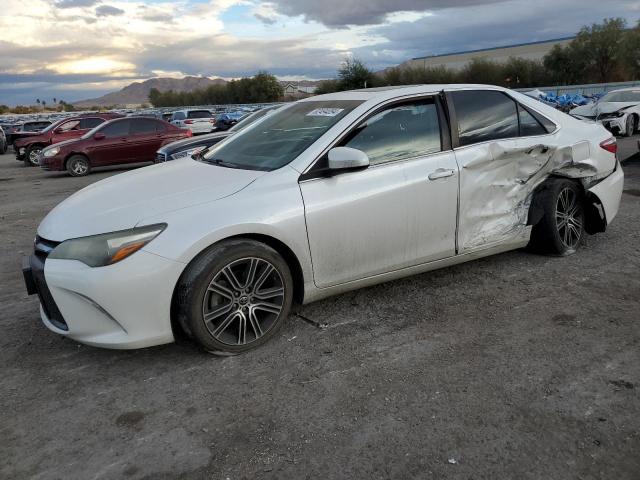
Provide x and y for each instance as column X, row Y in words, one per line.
column 384, row 93
column 627, row 89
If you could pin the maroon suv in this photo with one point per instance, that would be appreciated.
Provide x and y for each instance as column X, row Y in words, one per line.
column 124, row 140
column 29, row 148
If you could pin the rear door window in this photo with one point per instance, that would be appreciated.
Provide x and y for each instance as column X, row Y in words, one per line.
column 529, row 126
column 484, row 115
column 399, row 132
column 141, row 126
column 119, row 128
column 178, row 116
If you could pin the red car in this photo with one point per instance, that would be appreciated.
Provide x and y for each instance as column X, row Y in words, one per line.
column 124, row 140
column 28, row 148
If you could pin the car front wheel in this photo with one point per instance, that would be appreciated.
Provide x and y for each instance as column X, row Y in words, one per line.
column 78, row 166
column 630, row 125
column 31, row 156
column 561, row 228
column 234, row 297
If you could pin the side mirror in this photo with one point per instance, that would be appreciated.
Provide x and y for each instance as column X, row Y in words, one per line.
column 345, row 158
column 99, row 136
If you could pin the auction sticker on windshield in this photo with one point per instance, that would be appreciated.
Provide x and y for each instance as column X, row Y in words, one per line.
column 325, row 112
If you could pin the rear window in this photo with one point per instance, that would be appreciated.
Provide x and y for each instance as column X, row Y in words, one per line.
column 199, row 114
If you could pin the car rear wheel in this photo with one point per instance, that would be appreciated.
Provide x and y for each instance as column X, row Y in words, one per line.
column 4, row 148
column 234, row 297
column 631, row 125
column 561, row 228
column 78, row 166
column 31, row 155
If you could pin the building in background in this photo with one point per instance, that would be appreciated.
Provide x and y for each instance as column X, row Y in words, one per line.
column 457, row 60
column 296, row 91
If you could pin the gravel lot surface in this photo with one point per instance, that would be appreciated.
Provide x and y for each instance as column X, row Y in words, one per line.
column 516, row 366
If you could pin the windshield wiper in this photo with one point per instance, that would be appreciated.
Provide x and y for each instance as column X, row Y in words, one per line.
column 222, row 163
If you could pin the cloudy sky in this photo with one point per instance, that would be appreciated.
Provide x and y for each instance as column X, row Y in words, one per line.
column 76, row 49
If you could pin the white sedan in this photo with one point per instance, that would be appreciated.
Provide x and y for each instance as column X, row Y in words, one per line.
column 328, row 194
column 618, row 111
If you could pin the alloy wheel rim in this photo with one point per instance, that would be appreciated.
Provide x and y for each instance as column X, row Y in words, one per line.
column 569, row 218
column 243, row 301
column 33, row 155
column 79, row 168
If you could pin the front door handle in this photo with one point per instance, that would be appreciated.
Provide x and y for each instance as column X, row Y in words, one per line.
column 440, row 173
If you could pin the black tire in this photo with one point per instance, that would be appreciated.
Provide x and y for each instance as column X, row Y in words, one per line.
column 4, row 148
column 631, row 125
column 78, row 166
column 31, row 155
column 561, row 226
column 204, row 290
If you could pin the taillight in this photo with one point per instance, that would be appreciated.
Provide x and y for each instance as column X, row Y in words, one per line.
column 188, row 122
column 610, row 145
column 212, row 120
column 189, row 133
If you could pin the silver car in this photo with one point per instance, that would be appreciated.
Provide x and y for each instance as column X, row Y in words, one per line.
column 326, row 195
column 198, row 121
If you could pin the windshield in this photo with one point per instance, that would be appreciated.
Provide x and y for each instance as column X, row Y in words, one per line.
column 623, row 96
column 52, row 126
column 250, row 119
column 281, row 137
column 94, row 130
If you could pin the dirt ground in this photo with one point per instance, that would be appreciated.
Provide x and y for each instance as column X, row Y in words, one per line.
column 516, row 366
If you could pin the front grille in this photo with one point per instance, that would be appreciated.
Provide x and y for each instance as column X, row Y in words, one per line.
column 161, row 157
column 43, row 248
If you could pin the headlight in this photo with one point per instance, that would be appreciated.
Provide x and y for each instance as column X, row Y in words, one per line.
column 187, row 153
column 51, row 152
column 107, row 248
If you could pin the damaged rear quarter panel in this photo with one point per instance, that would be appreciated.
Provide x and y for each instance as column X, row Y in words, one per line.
column 498, row 180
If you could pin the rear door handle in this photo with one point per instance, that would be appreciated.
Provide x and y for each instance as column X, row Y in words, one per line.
column 440, row 173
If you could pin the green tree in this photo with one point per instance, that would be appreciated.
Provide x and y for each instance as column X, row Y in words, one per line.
column 481, row 70
column 602, row 47
column 630, row 55
column 354, row 74
column 327, row 86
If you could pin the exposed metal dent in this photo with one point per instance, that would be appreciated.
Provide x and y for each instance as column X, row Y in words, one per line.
column 510, row 171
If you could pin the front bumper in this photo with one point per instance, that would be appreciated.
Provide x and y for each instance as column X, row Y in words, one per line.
column 124, row 306
column 55, row 163
column 616, row 125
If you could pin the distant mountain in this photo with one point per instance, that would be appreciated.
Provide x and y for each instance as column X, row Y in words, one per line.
column 138, row 92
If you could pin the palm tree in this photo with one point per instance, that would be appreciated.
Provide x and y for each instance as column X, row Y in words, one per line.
column 38, row 101
column 44, row 104
column 54, row 100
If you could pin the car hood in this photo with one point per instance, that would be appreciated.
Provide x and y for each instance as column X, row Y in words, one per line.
column 600, row 108
column 123, row 201
column 63, row 143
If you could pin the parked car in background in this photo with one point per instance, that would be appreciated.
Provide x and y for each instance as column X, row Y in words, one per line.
column 192, row 146
column 116, row 142
column 328, row 194
column 3, row 142
column 198, row 121
column 26, row 129
column 28, row 149
column 618, row 111
column 227, row 120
